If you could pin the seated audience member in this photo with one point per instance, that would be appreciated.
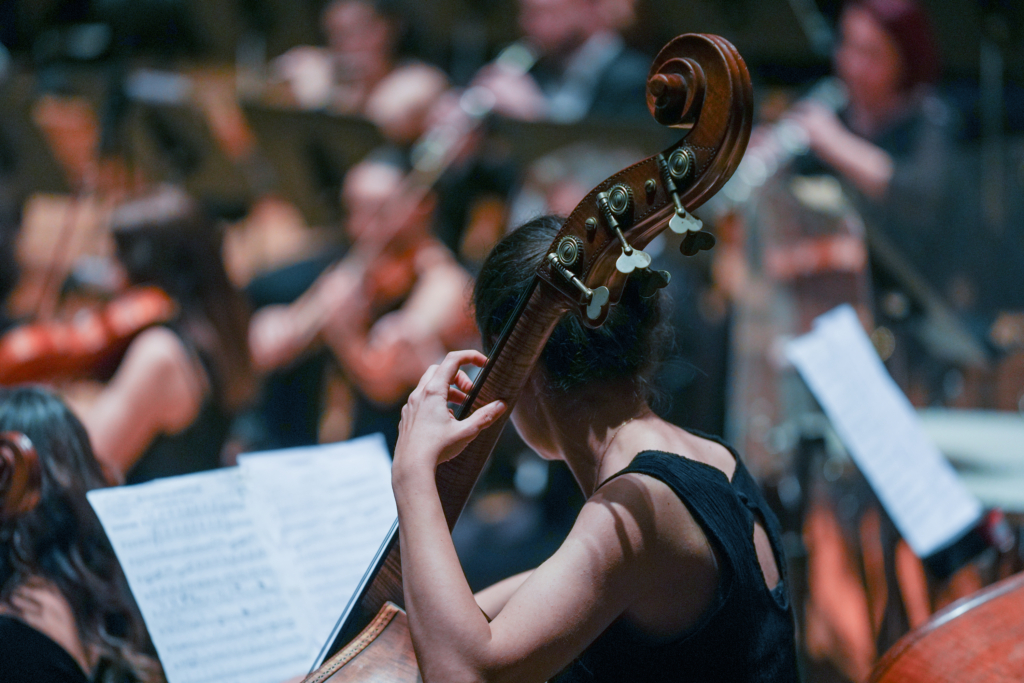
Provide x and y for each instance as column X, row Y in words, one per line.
column 66, row 614
column 168, row 407
column 390, row 308
column 583, row 70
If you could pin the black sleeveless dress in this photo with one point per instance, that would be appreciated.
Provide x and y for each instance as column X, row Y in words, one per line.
column 30, row 656
column 748, row 633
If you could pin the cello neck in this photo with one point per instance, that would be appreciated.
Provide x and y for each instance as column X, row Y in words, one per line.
column 503, row 378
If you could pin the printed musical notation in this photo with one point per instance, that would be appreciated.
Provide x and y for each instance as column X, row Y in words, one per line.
column 327, row 520
column 236, row 570
column 916, row 485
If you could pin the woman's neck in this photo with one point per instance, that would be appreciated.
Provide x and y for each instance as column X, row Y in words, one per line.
column 590, row 429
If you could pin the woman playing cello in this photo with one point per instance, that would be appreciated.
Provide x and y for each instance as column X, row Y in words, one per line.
column 673, row 570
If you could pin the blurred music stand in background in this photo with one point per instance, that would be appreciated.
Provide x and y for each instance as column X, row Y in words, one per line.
column 309, row 153
column 170, row 139
column 529, row 141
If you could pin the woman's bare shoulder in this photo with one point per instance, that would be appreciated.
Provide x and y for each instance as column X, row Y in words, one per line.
column 160, row 370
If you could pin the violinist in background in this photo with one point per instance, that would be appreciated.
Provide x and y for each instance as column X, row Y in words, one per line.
column 385, row 317
column 66, row 614
column 168, row 407
column 584, row 67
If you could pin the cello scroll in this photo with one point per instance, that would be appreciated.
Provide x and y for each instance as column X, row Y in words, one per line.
column 698, row 83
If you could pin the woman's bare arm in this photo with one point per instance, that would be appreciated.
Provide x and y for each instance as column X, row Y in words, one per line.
column 564, row 604
column 493, row 598
column 866, row 165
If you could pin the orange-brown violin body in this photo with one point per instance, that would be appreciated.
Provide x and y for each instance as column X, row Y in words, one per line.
column 89, row 345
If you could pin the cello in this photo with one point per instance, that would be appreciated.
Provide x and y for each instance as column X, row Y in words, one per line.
column 978, row 638
column 697, row 83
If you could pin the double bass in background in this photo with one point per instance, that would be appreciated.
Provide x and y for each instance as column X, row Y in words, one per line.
column 595, row 261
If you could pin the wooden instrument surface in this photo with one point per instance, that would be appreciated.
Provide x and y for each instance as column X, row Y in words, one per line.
column 978, row 639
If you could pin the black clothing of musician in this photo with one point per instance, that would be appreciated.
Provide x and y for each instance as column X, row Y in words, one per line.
column 28, row 656
column 603, row 79
column 747, row 633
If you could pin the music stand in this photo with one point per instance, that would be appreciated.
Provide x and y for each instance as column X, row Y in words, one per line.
column 172, row 142
column 310, row 152
column 528, row 141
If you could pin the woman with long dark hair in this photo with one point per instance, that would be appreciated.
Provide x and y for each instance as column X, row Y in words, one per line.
column 65, row 610
column 168, row 408
column 673, row 570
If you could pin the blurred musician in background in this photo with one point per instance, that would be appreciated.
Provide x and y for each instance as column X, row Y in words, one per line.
column 584, row 67
column 891, row 142
column 366, row 41
column 66, row 614
column 386, row 313
column 169, row 405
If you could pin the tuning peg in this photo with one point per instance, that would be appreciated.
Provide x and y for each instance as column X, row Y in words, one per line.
column 696, row 241
column 598, row 298
column 678, row 166
column 683, row 221
column 618, row 201
column 653, row 280
column 629, row 261
column 564, row 257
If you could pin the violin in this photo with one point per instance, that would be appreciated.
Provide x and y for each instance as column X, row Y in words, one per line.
column 87, row 346
column 698, row 83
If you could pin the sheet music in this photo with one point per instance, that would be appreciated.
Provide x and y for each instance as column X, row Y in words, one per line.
column 202, row 575
column 919, row 489
column 327, row 509
column 241, row 573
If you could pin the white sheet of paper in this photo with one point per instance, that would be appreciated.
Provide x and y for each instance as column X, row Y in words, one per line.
column 327, row 509
column 202, row 573
column 241, row 573
column 919, row 489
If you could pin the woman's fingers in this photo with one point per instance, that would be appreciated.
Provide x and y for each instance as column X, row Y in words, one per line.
column 456, row 395
column 462, row 381
column 481, row 419
column 450, row 365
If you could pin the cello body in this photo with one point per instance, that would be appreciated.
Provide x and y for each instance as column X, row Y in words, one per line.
column 697, row 83
column 978, row 639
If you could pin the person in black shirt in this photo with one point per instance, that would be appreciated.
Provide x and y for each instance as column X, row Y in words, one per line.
column 673, row 570
column 66, row 613
column 584, row 68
